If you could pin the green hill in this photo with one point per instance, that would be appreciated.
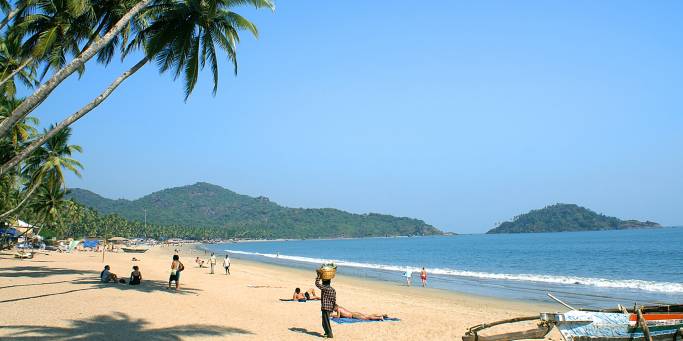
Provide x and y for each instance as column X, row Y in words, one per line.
column 567, row 217
column 211, row 206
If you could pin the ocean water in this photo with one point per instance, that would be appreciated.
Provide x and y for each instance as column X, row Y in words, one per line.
column 587, row 269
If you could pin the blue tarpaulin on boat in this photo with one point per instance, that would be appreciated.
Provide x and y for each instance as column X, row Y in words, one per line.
column 11, row 232
column 90, row 243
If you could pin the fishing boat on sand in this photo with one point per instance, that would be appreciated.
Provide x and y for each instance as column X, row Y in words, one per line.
column 646, row 323
column 135, row 249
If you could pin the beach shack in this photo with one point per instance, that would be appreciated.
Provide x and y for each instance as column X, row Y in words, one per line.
column 115, row 243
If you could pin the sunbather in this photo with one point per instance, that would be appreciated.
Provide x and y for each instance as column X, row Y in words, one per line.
column 311, row 295
column 340, row 311
column 298, row 295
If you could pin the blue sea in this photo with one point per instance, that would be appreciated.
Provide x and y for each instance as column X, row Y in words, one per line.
column 586, row 269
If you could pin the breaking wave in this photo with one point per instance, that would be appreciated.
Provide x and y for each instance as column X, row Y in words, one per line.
column 660, row 287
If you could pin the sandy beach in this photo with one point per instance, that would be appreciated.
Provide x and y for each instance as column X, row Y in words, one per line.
column 59, row 296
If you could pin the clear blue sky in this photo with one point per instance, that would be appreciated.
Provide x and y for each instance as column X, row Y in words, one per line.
column 462, row 114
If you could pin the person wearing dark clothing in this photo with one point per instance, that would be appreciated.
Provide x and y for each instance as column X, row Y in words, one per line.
column 328, row 303
column 135, row 276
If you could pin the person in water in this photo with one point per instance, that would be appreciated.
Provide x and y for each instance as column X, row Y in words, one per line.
column 135, row 276
column 345, row 313
column 423, row 277
column 328, row 302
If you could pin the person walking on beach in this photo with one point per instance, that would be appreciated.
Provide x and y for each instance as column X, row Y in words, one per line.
column 423, row 277
column 328, row 302
column 212, row 261
column 409, row 276
column 176, row 268
column 226, row 264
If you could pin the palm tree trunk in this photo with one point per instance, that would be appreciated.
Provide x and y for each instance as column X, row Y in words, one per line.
column 23, row 65
column 13, row 13
column 28, row 195
column 73, row 118
column 46, row 88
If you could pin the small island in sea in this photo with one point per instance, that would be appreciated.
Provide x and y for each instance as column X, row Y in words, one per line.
column 566, row 218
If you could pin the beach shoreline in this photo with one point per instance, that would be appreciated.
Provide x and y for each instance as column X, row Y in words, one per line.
column 64, row 299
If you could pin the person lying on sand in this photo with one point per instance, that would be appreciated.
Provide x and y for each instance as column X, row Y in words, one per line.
column 298, row 295
column 311, row 295
column 343, row 312
column 107, row 276
column 305, row 296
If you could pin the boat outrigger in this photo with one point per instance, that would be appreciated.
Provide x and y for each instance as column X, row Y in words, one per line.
column 646, row 323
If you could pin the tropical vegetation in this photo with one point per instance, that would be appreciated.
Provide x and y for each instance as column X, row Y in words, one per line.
column 204, row 209
column 44, row 42
column 564, row 218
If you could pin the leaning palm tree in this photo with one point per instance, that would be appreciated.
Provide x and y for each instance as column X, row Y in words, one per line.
column 182, row 37
column 48, row 163
column 68, row 69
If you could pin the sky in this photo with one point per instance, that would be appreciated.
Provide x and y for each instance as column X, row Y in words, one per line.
column 460, row 113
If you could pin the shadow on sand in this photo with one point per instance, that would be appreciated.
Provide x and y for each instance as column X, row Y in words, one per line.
column 305, row 331
column 39, row 271
column 118, row 326
column 88, row 281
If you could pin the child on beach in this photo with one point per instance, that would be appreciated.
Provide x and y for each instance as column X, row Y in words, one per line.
column 328, row 302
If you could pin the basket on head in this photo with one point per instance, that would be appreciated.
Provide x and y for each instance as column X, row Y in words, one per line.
column 327, row 273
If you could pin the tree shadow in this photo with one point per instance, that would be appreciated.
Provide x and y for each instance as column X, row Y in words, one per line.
column 305, row 331
column 118, row 326
column 39, row 271
column 147, row 286
column 33, row 284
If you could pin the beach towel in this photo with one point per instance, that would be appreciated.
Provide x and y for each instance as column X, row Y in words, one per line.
column 291, row 300
column 346, row 320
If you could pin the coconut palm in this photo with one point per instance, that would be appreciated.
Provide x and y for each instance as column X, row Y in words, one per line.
column 22, row 131
column 48, row 163
column 14, row 65
column 182, row 36
column 49, row 203
column 60, row 75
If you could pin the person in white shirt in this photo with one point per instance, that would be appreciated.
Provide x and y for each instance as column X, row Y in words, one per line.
column 226, row 264
column 212, row 261
column 409, row 276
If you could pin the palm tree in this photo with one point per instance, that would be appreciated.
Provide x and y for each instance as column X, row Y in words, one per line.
column 23, row 130
column 14, row 63
column 47, row 164
column 77, row 63
column 182, row 36
column 48, row 203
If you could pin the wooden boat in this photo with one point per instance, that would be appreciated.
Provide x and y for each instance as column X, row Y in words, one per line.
column 135, row 249
column 647, row 323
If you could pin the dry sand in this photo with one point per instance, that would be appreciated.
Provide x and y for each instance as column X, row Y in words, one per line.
column 58, row 296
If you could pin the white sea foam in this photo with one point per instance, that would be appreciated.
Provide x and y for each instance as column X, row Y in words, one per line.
column 661, row 287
